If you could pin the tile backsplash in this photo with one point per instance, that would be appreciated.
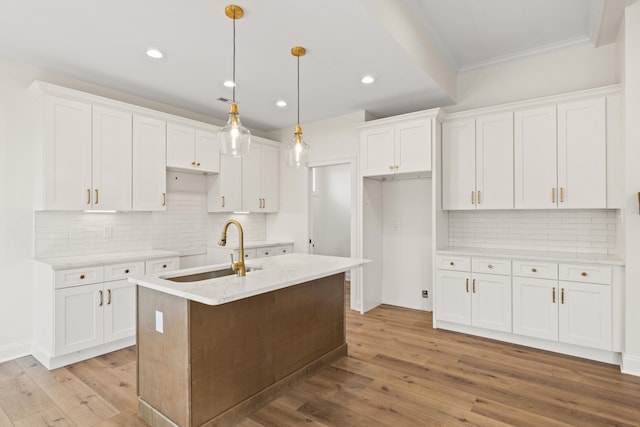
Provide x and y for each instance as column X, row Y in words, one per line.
column 580, row 231
column 185, row 227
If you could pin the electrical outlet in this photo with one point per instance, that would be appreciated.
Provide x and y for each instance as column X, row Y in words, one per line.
column 425, row 294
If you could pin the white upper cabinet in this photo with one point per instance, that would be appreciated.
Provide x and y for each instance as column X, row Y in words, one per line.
column 149, row 191
column 112, row 136
column 224, row 190
column 458, row 164
column 582, row 154
column 477, row 157
column 396, row 147
column 561, row 156
column 260, row 178
column 65, row 155
column 494, row 161
column 192, row 149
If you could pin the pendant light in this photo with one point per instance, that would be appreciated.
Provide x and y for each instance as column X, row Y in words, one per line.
column 298, row 150
column 235, row 138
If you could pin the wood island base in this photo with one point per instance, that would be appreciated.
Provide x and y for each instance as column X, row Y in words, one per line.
column 212, row 365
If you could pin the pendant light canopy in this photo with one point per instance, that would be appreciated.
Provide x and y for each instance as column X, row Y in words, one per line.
column 235, row 138
column 298, row 150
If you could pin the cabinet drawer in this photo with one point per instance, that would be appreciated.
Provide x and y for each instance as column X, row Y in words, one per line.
column 268, row 251
column 78, row 276
column 542, row 270
column 162, row 264
column 248, row 254
column 281, row 250
column 123, row 270
column 491, row 266
column 452, row 262
column 585, row 273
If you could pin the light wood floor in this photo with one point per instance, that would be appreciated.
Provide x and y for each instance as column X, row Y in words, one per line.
column 399, row 372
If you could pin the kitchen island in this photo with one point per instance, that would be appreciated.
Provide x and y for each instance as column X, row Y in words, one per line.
column 211, row 351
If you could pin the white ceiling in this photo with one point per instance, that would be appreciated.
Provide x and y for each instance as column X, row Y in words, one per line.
column 414, row 48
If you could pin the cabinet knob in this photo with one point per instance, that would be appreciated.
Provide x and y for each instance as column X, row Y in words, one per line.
column 534, row 269
column 391, row 167
column 246, row 255
column 490, row 266
column 126, row 271
column 193, row 163
column 583, row 274
column 266, row 253
column 452, row 263
column 396, row 166
column 198, row 164
column 164, row 265
column 81, row 276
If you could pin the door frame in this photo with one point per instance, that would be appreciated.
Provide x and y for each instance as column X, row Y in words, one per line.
column 352, row 161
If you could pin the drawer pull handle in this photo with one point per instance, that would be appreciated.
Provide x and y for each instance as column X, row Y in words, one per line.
column 164, row 265
column 534, row 270
column 473, row 197
column 108, row 296
column 583, row 274
column 553, row 296
column 474, row 286
column 101, row 298
column 467, row 286
column 562, row 296
column 81, row 276
column 490, row 266
column 452, row 263
column 126, row 271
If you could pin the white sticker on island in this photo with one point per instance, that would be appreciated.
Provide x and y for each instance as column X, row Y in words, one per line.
column 159, row 322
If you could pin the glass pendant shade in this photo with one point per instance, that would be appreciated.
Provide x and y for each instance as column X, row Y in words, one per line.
column 297, row 150
column 235, row 139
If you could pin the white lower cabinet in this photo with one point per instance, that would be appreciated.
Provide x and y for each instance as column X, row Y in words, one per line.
column 93, row 309
column 561, row 303
column 478, row 299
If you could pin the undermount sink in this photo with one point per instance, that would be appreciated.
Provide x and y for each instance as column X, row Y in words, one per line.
column 205, row 275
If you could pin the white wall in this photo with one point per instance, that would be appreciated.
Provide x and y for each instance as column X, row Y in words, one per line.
column 332, row 139
column 556, row 72
column 631, row 354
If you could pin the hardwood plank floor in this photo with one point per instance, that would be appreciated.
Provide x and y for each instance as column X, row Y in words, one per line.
column 399, row 372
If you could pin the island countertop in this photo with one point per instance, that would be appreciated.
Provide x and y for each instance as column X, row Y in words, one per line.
column 272, row 273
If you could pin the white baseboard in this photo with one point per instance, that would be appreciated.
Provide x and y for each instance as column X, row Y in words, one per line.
column 630, row 365
column 14, row 351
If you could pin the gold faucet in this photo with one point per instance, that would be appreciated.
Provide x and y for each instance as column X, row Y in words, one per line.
column 237, row 266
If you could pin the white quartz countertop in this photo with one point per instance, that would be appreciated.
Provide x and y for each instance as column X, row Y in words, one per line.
column 275, row 273
column 63, row 263
column 534, row 255
column 255, row 244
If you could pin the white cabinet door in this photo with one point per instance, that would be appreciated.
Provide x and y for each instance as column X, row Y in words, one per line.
column 270, row 179
column 491, row 302
column 582, row 154
column 585, row 314
column 377, row 151
column 535, row 158
column 207, row 152
column 251, row 196
column 224, row 190
column 494, row 161
column 535, row 307
column 111, row 174
column 458, row 164
column 78, row 318
column 453, row 297
column 413, row 146
column 180, row 146
column 119, row 310
column 149, row 191
column 67, row 155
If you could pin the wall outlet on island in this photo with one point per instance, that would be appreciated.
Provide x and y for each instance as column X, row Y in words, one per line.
column 425, row 294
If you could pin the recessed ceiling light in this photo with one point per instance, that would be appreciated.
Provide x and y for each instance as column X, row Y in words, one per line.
column 229, row 83
column 281, row 103
column 155, row 54
column 368, row 79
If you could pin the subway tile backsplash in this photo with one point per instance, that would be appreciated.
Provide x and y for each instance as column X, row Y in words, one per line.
column 580, row 231
column 185, row 227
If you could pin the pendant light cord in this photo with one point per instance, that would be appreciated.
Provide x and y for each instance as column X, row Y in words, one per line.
column 234, row 56
column 298, row 88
